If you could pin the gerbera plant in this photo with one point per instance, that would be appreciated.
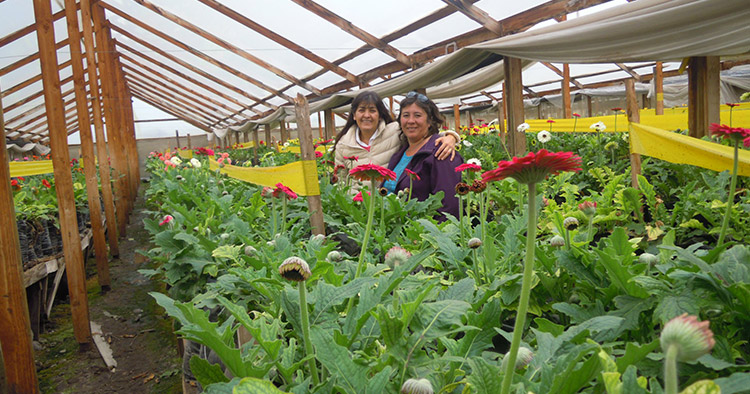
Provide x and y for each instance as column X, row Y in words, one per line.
column 685, row 339
column 529, row 170
column 575, row 121
column 736, row 134
column 284, row 193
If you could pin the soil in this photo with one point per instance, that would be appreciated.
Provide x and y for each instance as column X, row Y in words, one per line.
column 138, row 331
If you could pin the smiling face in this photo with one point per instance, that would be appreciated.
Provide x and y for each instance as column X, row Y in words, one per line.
column 367, row 117
column 414, row 123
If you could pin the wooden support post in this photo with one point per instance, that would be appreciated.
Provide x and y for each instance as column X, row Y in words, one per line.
column 189, row 142
column 61, row 164
column 514, row 100
column 127, row 130
column 390, row 108
column 106, row 70
column 589, row 107
column 457, row 117
column 19, row 371
column 320, row 125
column 634, row 116
column 87, row 145
column 256, row 144
column 703, row 94
column 501, row 118
column 268, row 134
column 101, row 143
column 177, row 137
column 282, row 131
column 471, row 122
column 330, row 124
column 567, row 110
column 307, row 150
column 659, row 88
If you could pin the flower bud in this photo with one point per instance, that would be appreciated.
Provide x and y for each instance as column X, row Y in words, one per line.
column 588, row 208
column 317, row 238
column 383, row 191
column 417, row 386
column 557, row 241
column 523, row 358
column 334, row 256
column 295, row 269
column 474, row 243
column 570, row 223
column 396, row 256
column 648, row 258
column 224, row 236
column 224, row 193
column 478, row 186
column 250, row 251
column 692, row 338
column 462, row 188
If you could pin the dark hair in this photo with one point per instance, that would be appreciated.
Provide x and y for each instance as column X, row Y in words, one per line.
column 433, row 113
column 366, row 97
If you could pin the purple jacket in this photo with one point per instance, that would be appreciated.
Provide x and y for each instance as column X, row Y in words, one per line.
column 435, row 175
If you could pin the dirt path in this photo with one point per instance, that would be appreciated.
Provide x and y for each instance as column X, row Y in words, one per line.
column 139, row 332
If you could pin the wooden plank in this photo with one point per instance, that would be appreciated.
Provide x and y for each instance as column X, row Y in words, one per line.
column 713, row 89
column 330, row 124
column 567, row 110
column 126, row 128
column 29, row 82
column 659, row 88
column 40, row 271
column 256, row 144
column 282, row 132
column 307, row 151
column 103, row 347
column 191, row 67
column 230, row 47
column 63, row 179
column 457, row 117
column 697, row 111
column 172, row 100
column 280, row 40
column 477, row 15
column 87, row 145
column 19, row 371
column 28, row 59
column 28, row 29
column 514, row 100
column 629, row 71
column 267, row 128
column 350, row 28
column 147, row 98
column 634, row 116
column 55, row 285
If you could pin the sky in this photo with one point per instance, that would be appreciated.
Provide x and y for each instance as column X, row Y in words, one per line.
column 283, row 16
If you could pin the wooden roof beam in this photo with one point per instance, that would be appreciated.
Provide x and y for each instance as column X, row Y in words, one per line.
column 38, row 107
column 33, row 96
column 30, row 81
column 560, row 73
column 477, row 15
column 190, row 92
column 146, row 99
column 629, row 71
column 230, row 47
column 187, row 66
column 168, row 99
column 348, row 27
column 28, row 59
column 30, row 28
column 280, row 40
column 192, row 51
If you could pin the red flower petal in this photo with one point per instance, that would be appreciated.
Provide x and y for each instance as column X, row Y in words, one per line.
column 412, row 174
column 468, row 166
column 366, row 172
column 534, row 167
column 280, row 188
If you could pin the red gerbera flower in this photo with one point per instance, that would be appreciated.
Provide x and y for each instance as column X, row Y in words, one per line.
column 732, row 105
column 46, row 183
column 617, row 109
column 339, row 167
column 280, row 188
column 318, row 154
column 468, row 166
column 366, row 172
column 413, row 175
column 550, row 121
column 22, row 179
column 358, row 197
column 576, row 115
column 534, row 167
column 167, row 219
column 352, row 158
column 14, row 183
column 725, row 131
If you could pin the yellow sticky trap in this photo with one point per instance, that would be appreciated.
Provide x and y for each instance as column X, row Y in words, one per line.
column 185, row 154
column 300, row 176
column 682, row 149
column 28, row 168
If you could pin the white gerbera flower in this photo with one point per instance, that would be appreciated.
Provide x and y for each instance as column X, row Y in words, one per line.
column 286, row 144
column 544, row 136
column 195, row 163
column 467, row 143
column 598, row 126
column 176, row 161
column 474, row 161
column 523, row 127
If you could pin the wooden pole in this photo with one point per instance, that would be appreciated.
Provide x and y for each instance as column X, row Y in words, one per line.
column 589, row 107
column 703, row 94
column 256, row 144
column 112, row 122
column 15, row 327
column 189, row 142
column 634, row 116
column 659, row 88
column 101, row 143
column 87, row 145
column 390, row 108
column 282, row 131
column 177, row 137
column 320, row 125
column 267, row 128
column 75, row 271
column 457, row 117
column 330, row 123
column 314, row 203
column 127, row 128
column 514, row 99
column 501, row 117
column 567, row 110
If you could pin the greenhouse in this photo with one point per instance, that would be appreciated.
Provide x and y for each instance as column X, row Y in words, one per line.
column 456, row 196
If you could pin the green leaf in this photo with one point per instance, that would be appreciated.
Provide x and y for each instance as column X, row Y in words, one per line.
column 190, row 239
column 206, row 373
column 702, row 387
column 632, row 383
column 349, row 376
column 671, row 306
column 230, row 252
column 439, row 318
column 377, row 383
column 485, row 378
column 737, row 382
column 635, row 353
column 256, row 386
column 463, row 290
column 714, row 363
column 619, row 274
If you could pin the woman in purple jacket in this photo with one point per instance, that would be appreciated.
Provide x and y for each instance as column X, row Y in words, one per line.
column 420, row 122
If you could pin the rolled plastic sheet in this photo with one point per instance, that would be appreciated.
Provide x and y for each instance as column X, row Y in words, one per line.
column 300, row 176
column 683, row 149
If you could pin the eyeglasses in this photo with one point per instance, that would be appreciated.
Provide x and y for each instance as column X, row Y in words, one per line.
column 421, row 97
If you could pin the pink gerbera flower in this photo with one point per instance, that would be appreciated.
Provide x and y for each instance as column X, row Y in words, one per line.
column 412, row 175
column 358, row 197
column 732, row 105
column 534, row 167
column 725, row 131
column 46, row 183
column 352, row 158
column 318, row 154
column 280, row 188
column 469, row 166
column 167, row 219
column 366, row 172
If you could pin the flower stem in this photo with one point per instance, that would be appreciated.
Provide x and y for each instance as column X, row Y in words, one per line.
column 411, row 182
column 365, row 240
column 283, row 214
column 670, row 370
column 730, row 198
column 461, row 218
column 275, row 215
column 523, row 303
column 567, row 239
column 306, row 331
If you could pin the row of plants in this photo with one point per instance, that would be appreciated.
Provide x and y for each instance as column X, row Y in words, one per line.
column 581, row 283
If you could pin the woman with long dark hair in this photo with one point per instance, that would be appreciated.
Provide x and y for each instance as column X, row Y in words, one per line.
column 371, row 136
